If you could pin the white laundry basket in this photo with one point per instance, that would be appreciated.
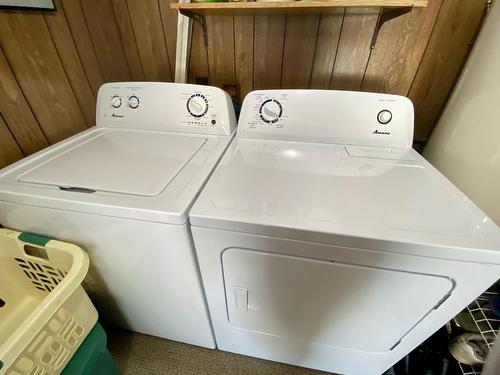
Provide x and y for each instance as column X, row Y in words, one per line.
column 44, row 312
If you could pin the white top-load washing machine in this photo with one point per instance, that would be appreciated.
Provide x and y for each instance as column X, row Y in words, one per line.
column 324, row 240
column 122, row 190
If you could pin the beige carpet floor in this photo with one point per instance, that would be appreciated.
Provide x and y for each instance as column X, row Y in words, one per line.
column 135, row 353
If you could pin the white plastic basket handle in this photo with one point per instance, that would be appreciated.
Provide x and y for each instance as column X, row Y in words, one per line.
column 55, row 299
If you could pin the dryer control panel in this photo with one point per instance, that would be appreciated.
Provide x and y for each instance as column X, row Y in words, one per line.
column 165, row 106
column 328, row 116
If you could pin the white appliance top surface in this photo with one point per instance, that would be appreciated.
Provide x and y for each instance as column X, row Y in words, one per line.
column 261, row 186
column 136, row 174
column 117, row 161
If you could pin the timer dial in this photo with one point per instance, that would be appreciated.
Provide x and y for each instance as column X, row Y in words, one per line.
column 270, row 111
column 384, row 117
column 116, row 101
column 197, row 105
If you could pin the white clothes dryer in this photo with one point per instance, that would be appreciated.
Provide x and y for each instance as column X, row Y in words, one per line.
column 325, row 241
column 122, row 190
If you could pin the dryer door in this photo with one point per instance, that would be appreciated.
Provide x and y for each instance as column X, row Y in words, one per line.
column 354, row 307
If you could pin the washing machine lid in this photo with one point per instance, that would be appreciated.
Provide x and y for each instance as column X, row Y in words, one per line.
column 330, row 193
column 127, row 173
column 136, row 163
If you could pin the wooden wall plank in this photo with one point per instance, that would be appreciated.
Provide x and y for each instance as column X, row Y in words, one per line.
column 198, row 62
column 17, row 113
column 221, row 49
column 399, row 49
column 148, row 30
column 169, row 21
column 129, row 41
column 330, row 26
column 300, row 43
column 9, row 149
column 100, row 19
column 243, row 53
column 83, row 42
column 61, row 36
column 354, row 48
column 269, row 39
column 442, row 61
column 43, row 80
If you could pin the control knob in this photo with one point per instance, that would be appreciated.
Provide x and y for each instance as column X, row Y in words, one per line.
column 197, row 105
column 133, row 102
column 116, row 101
column 270, row 111
column 384, row 117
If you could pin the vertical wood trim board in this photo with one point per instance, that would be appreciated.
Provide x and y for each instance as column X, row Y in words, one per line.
column 169, row 25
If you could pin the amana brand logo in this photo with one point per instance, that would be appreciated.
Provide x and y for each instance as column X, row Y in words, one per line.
column 379, row 132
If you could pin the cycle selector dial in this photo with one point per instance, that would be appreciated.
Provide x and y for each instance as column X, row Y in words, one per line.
column 133, row 102
column 116, row 101
column 197, row 105
column 270, row 111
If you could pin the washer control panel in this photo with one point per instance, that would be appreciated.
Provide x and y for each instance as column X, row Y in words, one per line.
column 165, row 106
column 328, row 116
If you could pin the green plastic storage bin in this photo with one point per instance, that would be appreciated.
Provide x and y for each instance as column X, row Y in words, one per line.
column 92, row 357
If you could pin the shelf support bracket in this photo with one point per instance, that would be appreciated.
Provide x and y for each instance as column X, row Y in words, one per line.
column 386, row 14
column 200, row 18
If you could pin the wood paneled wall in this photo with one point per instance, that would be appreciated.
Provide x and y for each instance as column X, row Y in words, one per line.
column 52, row 64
